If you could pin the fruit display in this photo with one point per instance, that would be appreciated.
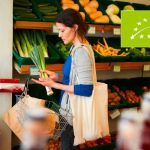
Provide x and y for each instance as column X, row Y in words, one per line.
column 98, row 142
column 129, row 95
column 113, row 11
column 53, row 145
column 105, row 50
column 121, row 93
column 71, row 4
column 91, row 8
column 23, row 9
column 113, row 98
column 48, row 10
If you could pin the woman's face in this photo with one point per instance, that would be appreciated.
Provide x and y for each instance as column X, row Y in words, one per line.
column 67, row 34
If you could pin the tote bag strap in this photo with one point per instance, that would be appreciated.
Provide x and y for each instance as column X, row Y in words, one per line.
column 91, row 55
column 90, row 52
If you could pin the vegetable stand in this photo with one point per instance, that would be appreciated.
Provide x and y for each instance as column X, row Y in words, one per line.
column 107, row 67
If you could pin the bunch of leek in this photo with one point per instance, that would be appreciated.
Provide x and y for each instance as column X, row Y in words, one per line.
column 38, row 59
column 24, row 41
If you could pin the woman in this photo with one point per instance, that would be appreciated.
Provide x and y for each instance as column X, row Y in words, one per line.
column 72, row 29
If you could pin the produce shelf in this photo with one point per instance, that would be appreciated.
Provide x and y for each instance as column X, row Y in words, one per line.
column 25, row 69
column 32, row 25
column 48, row 25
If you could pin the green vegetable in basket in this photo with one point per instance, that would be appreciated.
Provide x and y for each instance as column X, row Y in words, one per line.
column 134, row 52
column 63, row 49
column 27, row 40
column 24, row 41
column 48, row 10
column 18, row 46
column 23, row 45
column 42, row 42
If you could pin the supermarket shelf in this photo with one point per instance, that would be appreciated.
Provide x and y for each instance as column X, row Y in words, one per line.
column 32, row 25
column 25, row 69
column 48, row 25
column 121, row 106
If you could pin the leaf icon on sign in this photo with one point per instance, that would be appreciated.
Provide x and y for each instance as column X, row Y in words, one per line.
column 139, row 31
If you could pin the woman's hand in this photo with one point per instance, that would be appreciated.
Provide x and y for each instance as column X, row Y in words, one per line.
column 45, row 82
column 52, row 75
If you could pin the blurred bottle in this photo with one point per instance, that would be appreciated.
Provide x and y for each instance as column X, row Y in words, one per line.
column 129, row 131
column 34, row 136
column 145, row 132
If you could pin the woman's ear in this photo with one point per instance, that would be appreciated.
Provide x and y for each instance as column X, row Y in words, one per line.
column 75, row 27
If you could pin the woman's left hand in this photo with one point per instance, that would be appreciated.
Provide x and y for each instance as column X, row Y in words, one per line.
column 45, row 82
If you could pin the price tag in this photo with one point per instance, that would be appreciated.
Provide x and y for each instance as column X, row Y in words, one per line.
column 146, row 68
column 114, row 113
column 116, row 68
column 129, row 109
column 92, row 30
column 116, row 31
column 34, row 71
column 55, row 29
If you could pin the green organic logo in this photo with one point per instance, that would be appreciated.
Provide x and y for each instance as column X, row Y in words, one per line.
column 135, row 28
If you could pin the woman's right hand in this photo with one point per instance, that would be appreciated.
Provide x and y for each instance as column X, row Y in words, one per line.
column 52, row 75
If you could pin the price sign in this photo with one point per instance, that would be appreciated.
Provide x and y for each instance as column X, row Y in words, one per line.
column 34, row 71
column 116, row 68
column 146, row 68
column 116, row 31
column 131, row 109
column 55, row 29
column 92, row 30
column 114, row 113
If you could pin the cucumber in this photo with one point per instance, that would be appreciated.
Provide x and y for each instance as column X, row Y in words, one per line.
column 48, row 11
column 44, row 4
column 49, row 17
column 26, row 15
column 22, row 3
column 51, row 8
column 22, row 9
column 50, row 14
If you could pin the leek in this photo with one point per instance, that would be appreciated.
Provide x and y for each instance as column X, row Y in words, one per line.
column 17, row 45
column 38, row 59
column 41, row 39
column 23, row 45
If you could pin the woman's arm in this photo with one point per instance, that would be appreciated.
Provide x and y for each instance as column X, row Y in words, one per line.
column 51, row 83
column 67, row 88
column 83, row 82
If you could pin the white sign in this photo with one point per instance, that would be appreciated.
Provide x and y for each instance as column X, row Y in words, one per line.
column 55, row 29
column 116, row 68
column 114, row 113
column 34, row 71
column 146, row 68
column 91, row 30
column 116, row 31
